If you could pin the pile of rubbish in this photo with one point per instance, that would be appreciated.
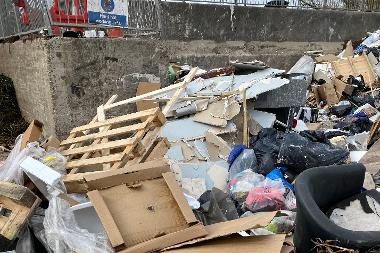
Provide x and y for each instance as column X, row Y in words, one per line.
column 211, row 162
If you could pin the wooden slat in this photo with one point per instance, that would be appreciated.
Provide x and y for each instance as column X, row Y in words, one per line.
column 139, row 135
column 116, row 120
column 97, row 147
column 144, row 96
column 96, row 160
column 113, row 132
column 101, row 117
column 179, row 91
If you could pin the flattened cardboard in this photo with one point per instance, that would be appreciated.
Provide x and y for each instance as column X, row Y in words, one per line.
column 342, row 87
column 349, row 50
column 32, row 133
column 355, row 66
column 51, row 143
column 232, row 227
column 147, row 216
column 83, row 182
column 326, row 58
column 371, row 159
column 239, row 244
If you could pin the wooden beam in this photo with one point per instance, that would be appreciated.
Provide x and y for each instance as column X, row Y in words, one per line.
column 116, row 120
column 179, row 91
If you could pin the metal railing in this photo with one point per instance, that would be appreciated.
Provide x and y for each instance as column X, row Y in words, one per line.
column 22, row 17
column 59, row 15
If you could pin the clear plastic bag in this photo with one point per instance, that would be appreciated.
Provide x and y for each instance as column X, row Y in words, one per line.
column 266, row 196
column 290, row 201
column 64, row 235
column 246, row 160
column 242, row 183
column 283, row 223
column 25, row 243
column 55, row 160
column 11, row 171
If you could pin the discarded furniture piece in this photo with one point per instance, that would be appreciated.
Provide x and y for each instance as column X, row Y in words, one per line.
column 319, row 189
column 17, row 204
column 85, row 146
column 143, row 211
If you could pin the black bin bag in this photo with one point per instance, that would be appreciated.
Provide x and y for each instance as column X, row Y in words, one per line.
column 299, row 153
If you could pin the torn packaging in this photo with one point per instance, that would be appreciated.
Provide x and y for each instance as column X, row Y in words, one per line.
column 146, row 216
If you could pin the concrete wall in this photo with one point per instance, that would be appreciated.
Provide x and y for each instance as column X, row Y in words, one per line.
column 185, row 21
column 27, row 64
column 61, row 81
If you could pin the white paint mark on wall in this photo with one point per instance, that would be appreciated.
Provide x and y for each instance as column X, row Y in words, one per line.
column 232, row 7
column 331, row 32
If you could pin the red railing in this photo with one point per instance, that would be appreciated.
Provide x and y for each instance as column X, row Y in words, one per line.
column 68, row 12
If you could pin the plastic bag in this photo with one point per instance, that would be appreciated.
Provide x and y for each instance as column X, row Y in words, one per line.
column 246, row 160
column 266, row 196
column 55, row 160
column 10, row 171
column 242, row 183
column 277, row 174
column 216, row 206
column 299, row 153
column 64, row 235
column 266, row 149
column 25, row 243
column 282, row 223
column 290, row 201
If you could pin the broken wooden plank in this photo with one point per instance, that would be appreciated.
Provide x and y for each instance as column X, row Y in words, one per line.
column 113, row 132
column 179, row 91
column 116, row 120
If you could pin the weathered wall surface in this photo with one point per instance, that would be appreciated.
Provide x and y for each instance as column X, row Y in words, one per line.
column 27, row 64
column 62, row 81
column 189, row 21
column 86, row 72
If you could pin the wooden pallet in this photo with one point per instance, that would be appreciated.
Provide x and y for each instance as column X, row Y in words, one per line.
column 109, row 141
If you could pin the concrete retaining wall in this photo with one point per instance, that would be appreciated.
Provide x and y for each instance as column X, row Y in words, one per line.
column 189, row 21
column 61, row 81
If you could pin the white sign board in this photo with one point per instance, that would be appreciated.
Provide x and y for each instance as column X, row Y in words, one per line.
column 108, row 12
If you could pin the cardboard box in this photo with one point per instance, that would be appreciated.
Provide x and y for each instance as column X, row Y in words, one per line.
column 84, row 182
column 32, row 133
column 143, row 215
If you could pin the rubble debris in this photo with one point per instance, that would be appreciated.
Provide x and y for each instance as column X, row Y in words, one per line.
column 212, row 160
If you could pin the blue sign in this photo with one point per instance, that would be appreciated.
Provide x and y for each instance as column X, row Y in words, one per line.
column 108, row 12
